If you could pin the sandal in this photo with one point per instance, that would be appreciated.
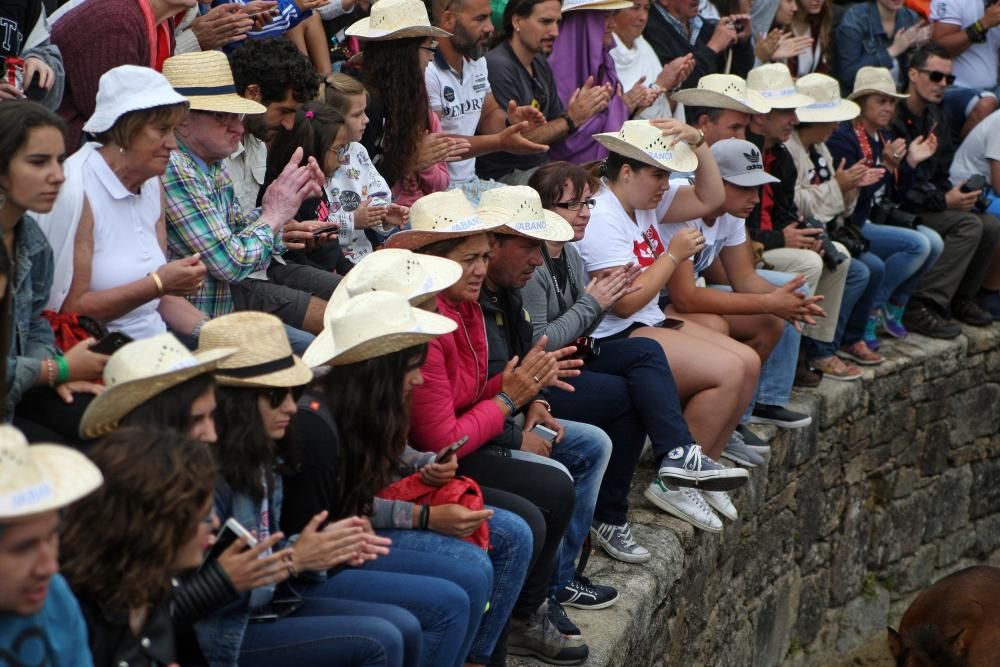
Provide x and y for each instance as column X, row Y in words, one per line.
column 836, row 369
column 860, row 353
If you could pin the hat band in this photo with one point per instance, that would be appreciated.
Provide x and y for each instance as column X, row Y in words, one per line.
column 463, row 225
column 824, row 105
column 14, row 502
column 259, row 369
column 198, row 91
column 780, row 92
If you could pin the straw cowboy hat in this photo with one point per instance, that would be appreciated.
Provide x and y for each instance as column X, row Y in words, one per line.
column 439, row 216
column 139, row 371
column 41, row 478
column 874, row 81
column 519, row 209
column 371, row 325
column 263, row 355
column 396, row 19
column 774, row 83
column 415, row 277
column 204, row 78
column 640, row 140
column 129, row 88
column 828, row 107
column 723, row 91
column 605, row 5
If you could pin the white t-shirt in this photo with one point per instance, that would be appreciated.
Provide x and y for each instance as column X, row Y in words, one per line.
column 613, row 239
column 975, row 153
column 458, row 100
column 727, row 231
column 356, row 182
column 976, row 67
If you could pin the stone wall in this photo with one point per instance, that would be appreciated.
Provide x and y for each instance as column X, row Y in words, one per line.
column 895, row 484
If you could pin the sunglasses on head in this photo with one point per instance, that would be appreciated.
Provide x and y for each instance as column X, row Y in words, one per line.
column 277, row 395
column 937, row 77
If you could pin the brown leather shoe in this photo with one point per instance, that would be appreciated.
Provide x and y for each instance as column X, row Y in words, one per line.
column 806, row 375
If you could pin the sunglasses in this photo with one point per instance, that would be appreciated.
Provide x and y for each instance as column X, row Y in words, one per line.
column 276, row 396
column 432, row 47
column 224, row 118
column 938, row 77
column 576, row 205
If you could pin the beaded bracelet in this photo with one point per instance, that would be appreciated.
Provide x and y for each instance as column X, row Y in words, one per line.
column 508, row 401
column 50, row 368
column 63, row 367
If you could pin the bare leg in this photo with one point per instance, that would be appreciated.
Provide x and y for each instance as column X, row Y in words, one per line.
column 760, row 332
column 313, row 321
column 316, row 47
column 713, row 322
column 983, row 108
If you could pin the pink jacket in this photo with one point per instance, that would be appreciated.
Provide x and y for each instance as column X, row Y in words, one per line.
column 455, row 399
column 433, row 179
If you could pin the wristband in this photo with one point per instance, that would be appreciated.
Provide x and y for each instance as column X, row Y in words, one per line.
column 508, row 401
column 159, row 283
column 673, row 259
column 196, row 332
column 425, row 516
column 569, row 122
column 975, row 34
column 548, row 407
column 50, row 369
column 63, row 367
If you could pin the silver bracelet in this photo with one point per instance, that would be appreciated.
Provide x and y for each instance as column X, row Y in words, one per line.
column 196, row 332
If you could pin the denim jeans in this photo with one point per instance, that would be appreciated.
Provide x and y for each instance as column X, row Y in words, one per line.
column 629, row 391
column 905, row 253
column 859, row 292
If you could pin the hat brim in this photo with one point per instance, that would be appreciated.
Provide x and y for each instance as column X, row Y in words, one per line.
column 107, row 410
column 411, row 239
column 551, row 227
column 100, row 123
column 701, row 97
column 752, row 179
column 225, row 103
column 845, row 110
column 323, row 351
column 295, row 375
column 67, row 476
column 790, row 101
column 875, row 91
column 441, row 274
column 362, row 30
column 684, row 161
column 601, row 5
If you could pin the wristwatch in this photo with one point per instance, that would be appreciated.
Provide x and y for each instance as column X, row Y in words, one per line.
column 701, row 140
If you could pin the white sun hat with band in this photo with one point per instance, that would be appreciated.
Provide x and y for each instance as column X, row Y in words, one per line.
column 263, row 355
column 741, row 163
column 439, row 216
column 874, row 81
column 602, row 5
column 128, row 88
column 371, row 325
column 828, row 106
column 418, row 278
column 723, row 91
column 206, row 81
column 519, row 208
column 139, row 371
column 42, row 477
column 774, row 83
column 642, row 141
column 395, row 19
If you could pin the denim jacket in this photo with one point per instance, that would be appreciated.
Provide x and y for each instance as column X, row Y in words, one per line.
column 31, row 338
column 861, row 41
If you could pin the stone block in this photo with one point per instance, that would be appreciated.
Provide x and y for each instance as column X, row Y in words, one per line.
column 986, row 483
column 863, row 617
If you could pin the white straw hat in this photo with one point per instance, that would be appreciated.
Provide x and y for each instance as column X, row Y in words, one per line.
column 41, row 478
column 205, row 79
column 519, row 209
column 640, row 140
column 605, row 5
column 415, row 277
column 439, row 216
column 139, row 371
column 263, row 355
column 723, row 91
column 828, row 107
column 129, row 88
column 371, row 325
column 396, row 19
column 774, row 82
column 874, row 81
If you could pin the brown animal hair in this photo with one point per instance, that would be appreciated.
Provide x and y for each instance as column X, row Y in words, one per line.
column 927, row 648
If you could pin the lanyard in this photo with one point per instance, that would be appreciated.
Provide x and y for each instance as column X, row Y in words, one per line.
column 549, row 264
column 866, row 146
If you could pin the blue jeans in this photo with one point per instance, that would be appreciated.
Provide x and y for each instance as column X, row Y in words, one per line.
column 859, row 292
column 905, row 253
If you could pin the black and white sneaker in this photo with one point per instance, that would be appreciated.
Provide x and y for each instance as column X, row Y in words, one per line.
column 618, row 542
column 779, row 416
column 687, row 466
column 561, row 619
column 582, row 594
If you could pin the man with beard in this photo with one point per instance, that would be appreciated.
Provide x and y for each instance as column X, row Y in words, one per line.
column 459, row 90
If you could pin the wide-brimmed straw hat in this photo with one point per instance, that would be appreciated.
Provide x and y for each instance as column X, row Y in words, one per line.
column 519, row 209
column 205, row 79
column 605, row 5
column 372, row 325
column 874, row 81
column 263, row 355
column 396, row 19
column 640, row 140
column 128, row 88
column 139, row 371
column 723, row 91
column 439, row 216
column 42, row 477
column 828, row 107
column 774, row 83
column 417, row 278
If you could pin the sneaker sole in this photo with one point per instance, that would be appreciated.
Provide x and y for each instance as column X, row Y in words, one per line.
column 801, row 423
column 623, row 556
column 673, row 511
column 586, row 607
column 858, row 360
column 722, row 480
column 530, row 652
column 735, row 459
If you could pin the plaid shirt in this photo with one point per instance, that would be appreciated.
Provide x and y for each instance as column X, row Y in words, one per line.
column 204, row 216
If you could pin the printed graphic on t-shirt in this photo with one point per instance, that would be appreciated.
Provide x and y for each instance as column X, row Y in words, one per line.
column 649, row 248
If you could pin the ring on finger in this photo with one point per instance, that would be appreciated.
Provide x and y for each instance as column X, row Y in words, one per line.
column 535, row 378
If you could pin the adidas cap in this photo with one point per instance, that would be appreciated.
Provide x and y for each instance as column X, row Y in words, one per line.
column 741, row 163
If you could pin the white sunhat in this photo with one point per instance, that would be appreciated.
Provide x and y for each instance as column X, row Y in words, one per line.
column 828, row 107
column 874, row 81
column 601, row 5
column 372, row 325
column 206, row 80
column 774, row 83
column 42, row 477
column 129, row 88
column 519, row 208
column 416, row 277
column 439, row 216
column 642, row 141
column 723, row 91
column 263, row 356
column 741, row 163
column 395, row 19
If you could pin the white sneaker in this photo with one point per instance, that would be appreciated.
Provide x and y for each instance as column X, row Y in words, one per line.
column 721, row 503
column 686, row 504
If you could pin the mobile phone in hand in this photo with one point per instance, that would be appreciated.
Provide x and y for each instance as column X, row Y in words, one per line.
column 447, row 452
column 111, row 343
column 545, row 433
column 231, row 531
column 326, row 230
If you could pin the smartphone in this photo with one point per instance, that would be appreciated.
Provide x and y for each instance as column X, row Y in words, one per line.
column 275, row 609
column 231, row 531
column 545, row 433
column 446, row 453
column 111, row 343
column 326, row 230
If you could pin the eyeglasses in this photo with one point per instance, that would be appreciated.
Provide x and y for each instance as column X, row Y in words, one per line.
column 432, row 47
column 937, row 77
column 275, row 397
column 576, row 205
column 224, row 118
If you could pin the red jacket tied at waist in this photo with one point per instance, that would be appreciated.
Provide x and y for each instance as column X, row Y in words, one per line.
column 461, row 490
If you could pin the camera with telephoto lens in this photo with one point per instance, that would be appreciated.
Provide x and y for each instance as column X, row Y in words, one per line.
column 887, row 212
column 832, row 257
column 977, row 182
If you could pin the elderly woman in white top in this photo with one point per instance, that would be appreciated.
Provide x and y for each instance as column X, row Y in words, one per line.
column 108, row 221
